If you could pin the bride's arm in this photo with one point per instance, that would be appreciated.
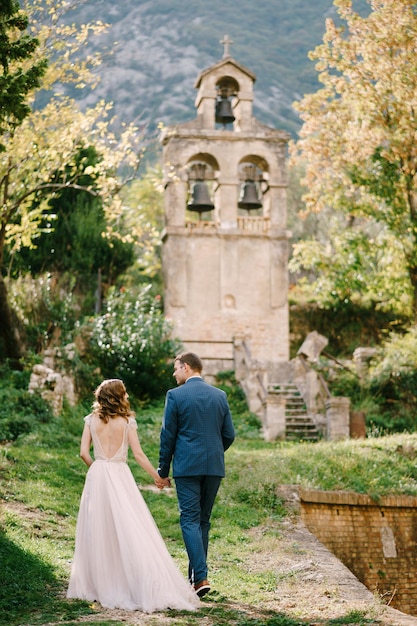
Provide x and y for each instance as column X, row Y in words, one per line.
column 141, row 458
column 86, row 445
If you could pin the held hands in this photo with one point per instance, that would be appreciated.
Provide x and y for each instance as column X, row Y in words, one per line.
column 162, row 482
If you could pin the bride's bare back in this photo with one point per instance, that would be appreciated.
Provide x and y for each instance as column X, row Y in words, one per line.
column 111, row 434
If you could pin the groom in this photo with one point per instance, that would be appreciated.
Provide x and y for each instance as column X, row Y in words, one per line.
column 197, row 428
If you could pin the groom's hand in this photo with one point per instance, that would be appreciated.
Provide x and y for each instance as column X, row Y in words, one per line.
column 162, row 482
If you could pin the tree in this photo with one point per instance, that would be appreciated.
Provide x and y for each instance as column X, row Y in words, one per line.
column 358, row 139
column 352, row 266
column 76, row 245
column 40, row 157
column 145, row 219
column 15, row 84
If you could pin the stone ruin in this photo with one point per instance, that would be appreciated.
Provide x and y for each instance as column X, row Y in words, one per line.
column 54, row 386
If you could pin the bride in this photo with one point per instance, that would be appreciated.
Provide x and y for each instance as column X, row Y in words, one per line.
column 120, row 560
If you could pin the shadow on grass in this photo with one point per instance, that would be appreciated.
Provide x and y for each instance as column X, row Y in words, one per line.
column 219, row 612
column 240, row 617
column 96, row 623
column 30, row 593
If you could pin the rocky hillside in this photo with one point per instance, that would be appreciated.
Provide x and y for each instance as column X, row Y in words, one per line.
column 155, row 50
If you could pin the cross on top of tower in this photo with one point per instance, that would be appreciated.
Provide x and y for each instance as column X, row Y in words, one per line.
column 226, row 41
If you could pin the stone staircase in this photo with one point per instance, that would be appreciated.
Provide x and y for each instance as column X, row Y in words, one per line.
column 299, row 426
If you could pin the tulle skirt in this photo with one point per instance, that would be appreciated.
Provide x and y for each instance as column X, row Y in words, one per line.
column 121, row 560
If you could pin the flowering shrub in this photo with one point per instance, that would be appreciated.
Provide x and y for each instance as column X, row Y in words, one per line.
column 44, row 305
column 132, row 341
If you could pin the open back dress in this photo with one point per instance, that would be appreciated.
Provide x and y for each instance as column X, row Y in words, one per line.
column 120, row 559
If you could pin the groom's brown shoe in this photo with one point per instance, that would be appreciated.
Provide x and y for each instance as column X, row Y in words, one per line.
column 202, row 587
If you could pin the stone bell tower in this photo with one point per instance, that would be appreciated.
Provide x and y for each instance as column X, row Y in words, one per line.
column 225, row 245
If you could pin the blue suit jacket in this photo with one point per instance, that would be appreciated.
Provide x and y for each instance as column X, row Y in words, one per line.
column 197, row 428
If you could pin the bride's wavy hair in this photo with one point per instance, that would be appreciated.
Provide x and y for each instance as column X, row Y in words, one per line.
column 111, row 400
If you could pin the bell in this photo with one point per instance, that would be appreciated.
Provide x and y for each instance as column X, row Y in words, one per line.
column 201, row 200
column 224, row 113
column 249, row 199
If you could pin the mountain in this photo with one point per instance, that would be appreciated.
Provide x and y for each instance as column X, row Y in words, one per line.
column 155, row 49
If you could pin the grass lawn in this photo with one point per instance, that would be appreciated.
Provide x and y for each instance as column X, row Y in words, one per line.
column 42, row 476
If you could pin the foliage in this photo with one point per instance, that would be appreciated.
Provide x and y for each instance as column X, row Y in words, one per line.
column 132, row 341
column 83, row 366
column 47, row 308
column 20, row 411
column 61, row 40
column 145, row 218
column 392, row 380
column 397, row 354
column 44, row 150
column 247, row 424
column 347, row 325
column 395, row 411
column 385, row 390
column 357, row 139
column 13, row 379
column 341, row 262
column 41, row 141
column 78, row 257
column 78, row 243
column 16, row 80
column 354, row 263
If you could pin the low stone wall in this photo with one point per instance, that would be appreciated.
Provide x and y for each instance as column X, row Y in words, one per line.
column 376, row 540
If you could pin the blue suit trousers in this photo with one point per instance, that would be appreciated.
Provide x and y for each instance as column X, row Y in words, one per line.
column 196, row 495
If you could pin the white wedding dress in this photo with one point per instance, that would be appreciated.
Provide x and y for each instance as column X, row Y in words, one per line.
column 121, row 560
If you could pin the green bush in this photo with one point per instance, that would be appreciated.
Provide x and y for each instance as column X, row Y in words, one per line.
column 46, row 306
column 133, row 341
column 397, row 402
column 246, row 424
column 389, row 401
column 392, row 383
column 19, row 379
column 20, row 412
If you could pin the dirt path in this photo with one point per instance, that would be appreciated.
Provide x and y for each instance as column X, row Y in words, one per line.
column 314, row 586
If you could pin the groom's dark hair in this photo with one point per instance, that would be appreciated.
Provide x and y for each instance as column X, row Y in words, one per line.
column 192, row 359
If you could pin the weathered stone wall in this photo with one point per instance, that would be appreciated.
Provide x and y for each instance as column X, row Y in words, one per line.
column 213, row 308
column 377, row 541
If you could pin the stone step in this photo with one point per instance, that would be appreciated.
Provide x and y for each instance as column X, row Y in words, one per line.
column 298, row 425
column 290, row 428
column 300, row 419
column 291, row 397
column 283, row 388
column 298, row 436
